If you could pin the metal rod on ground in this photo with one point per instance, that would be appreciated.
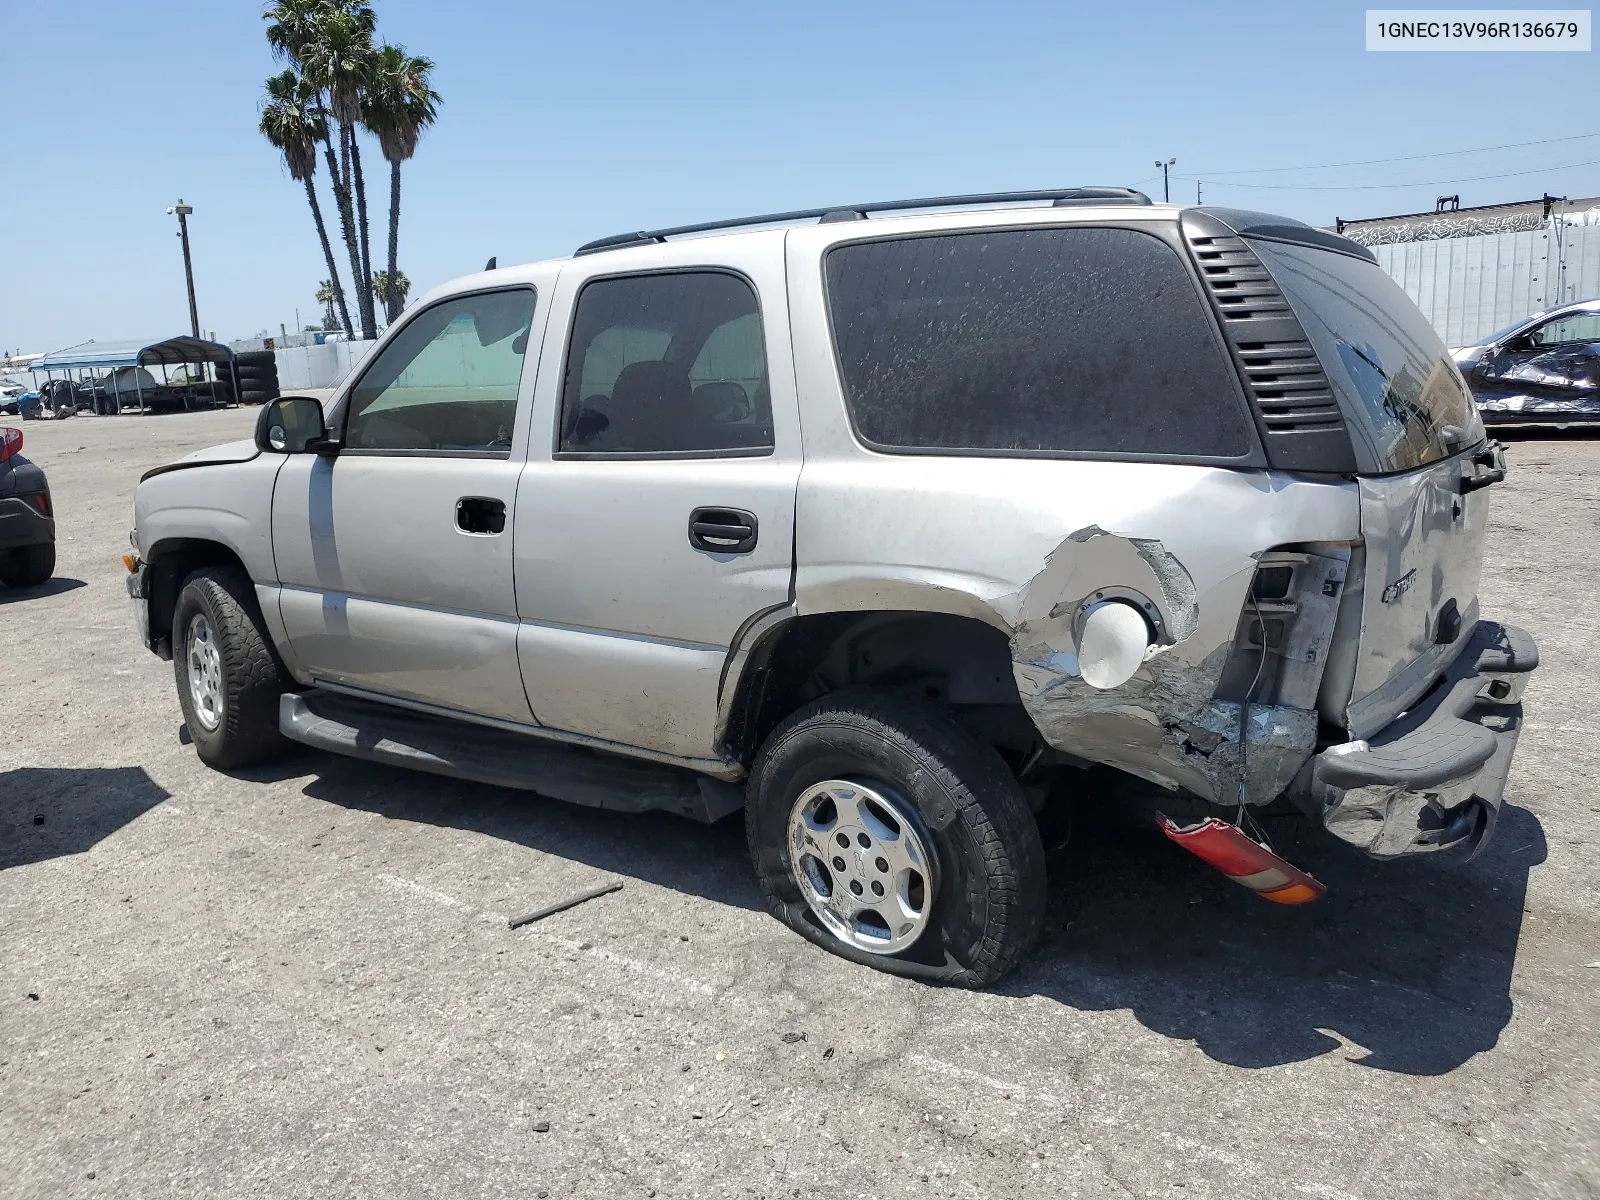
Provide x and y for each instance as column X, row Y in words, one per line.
column 551, row 909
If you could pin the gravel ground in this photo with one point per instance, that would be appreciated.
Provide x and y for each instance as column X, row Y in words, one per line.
column 299, row 981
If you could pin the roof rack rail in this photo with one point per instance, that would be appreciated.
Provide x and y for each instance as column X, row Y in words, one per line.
column 1060, row 197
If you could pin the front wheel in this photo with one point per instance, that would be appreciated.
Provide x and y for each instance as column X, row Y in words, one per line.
column 882, row 831
column 228, row 674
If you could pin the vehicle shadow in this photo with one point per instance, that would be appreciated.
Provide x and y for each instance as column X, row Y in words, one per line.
column 50, row 587
column 667, row 850
column 1410, row 961
column 1545, row 433
column 79, row 807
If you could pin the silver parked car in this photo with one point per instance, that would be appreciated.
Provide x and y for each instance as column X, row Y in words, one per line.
column 883, row 524
column 1541, row 370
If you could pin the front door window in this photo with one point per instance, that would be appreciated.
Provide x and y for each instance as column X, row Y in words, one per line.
column 448, row 382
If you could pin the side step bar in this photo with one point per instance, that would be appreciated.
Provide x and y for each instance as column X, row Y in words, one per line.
column 576, row 774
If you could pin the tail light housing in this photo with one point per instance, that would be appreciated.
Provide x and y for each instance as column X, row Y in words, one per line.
column 10, row 442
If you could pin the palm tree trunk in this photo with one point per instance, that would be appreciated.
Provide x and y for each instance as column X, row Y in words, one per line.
column 369, row 315
column 341, row 195
column 347, row 219
column 327, row 253
column 393, row 305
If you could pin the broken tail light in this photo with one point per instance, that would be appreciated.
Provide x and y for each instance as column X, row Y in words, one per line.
column 1244, row 861
column 41, row 501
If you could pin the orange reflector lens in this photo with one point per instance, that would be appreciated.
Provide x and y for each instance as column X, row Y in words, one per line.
column 1295, row 893
column 131, row 561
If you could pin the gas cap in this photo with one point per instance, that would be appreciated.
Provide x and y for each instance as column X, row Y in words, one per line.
column 1113, row 643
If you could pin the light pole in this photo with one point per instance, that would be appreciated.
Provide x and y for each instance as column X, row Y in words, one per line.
column 1165, row 193
column 183, row 210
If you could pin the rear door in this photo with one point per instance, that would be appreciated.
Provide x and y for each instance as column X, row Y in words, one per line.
column 396, row 557
column 656, row 516
column 1415, row 430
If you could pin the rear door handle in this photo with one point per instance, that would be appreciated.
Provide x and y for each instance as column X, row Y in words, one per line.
column 480, row 515
column 723, row 530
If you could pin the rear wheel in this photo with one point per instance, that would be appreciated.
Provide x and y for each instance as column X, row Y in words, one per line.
column 228, row 674
column 27, row 566
column 882, row 831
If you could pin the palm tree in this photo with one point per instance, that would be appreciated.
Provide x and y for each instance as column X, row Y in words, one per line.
column 400, row 104
column 326, row 293
column 331, row 42
column 392, row 297
column 291, row 124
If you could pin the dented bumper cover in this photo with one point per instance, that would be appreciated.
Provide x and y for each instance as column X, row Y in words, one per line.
column 1434, row 779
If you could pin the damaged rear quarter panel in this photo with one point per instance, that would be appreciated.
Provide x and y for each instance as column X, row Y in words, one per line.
column 1022, row 543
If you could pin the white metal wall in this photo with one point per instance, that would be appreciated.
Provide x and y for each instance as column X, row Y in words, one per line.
column 1471, row 286
column 318, row 366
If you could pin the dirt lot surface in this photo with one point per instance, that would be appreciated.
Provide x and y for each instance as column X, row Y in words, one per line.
column 299, row 982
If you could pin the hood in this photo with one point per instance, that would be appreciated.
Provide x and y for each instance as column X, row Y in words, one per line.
column 240, row 451
column 228, row 452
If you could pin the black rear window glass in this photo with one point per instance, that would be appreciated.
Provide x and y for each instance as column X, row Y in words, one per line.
column 1081, row 340
column 1396, row 382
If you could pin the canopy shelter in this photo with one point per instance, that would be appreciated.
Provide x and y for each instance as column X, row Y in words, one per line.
column 103, row 359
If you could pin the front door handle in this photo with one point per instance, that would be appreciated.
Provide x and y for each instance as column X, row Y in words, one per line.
column 723, row 530
column 480, row 515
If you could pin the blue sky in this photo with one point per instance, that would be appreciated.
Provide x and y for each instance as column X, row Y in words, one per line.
column 565, row 122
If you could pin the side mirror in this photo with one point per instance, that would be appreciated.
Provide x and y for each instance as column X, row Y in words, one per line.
column 290, row 425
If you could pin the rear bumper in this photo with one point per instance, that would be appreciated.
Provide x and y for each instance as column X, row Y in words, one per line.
column 23, row 525
column 1433, row 779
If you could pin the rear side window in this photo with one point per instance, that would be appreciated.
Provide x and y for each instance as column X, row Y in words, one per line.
column 1396, row 382
column 1035, row 341
column 667, row 364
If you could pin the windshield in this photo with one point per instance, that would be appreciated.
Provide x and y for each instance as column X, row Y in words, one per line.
column 1396, row 382
column 1501, row 334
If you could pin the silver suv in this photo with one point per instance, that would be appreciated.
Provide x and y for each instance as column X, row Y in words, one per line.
column 884, row 523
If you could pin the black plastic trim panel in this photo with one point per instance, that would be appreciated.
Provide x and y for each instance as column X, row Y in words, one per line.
column 1295, row 409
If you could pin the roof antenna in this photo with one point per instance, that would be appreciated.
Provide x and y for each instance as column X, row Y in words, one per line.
column 489, row 266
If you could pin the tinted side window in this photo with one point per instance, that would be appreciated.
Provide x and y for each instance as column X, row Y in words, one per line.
column 667, row 363
column 1577, row 328
column 1035, row 340
column 448, row 381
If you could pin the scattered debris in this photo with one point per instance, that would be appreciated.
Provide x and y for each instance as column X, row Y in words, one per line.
column 828, row 1053
column 541, row 1126
column 694, row 1116
column 792, row 1038
column 33, row 995
column 721, row 1056
column 551, row 909
column 38, row 818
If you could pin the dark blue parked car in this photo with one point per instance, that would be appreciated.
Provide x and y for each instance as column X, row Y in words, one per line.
column 27, row 520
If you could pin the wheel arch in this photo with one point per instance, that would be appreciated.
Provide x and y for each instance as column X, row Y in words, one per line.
column 167, row 564
column 947, row 657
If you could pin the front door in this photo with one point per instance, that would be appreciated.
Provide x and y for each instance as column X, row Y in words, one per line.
column 659, row 518
column 395, row 557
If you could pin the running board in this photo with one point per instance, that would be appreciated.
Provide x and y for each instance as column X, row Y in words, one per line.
column 462, row 750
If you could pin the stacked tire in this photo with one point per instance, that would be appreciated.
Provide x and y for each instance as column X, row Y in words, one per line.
column 252, row 377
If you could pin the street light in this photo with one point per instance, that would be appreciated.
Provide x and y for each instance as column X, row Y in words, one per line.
column 183, row 210
column 1165, row 194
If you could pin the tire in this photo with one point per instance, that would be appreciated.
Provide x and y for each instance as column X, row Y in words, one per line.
column 28, row 566
column 239, row 724
column 250, row 396
column 256, row 358
column 917, row 777
column 248, row 376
